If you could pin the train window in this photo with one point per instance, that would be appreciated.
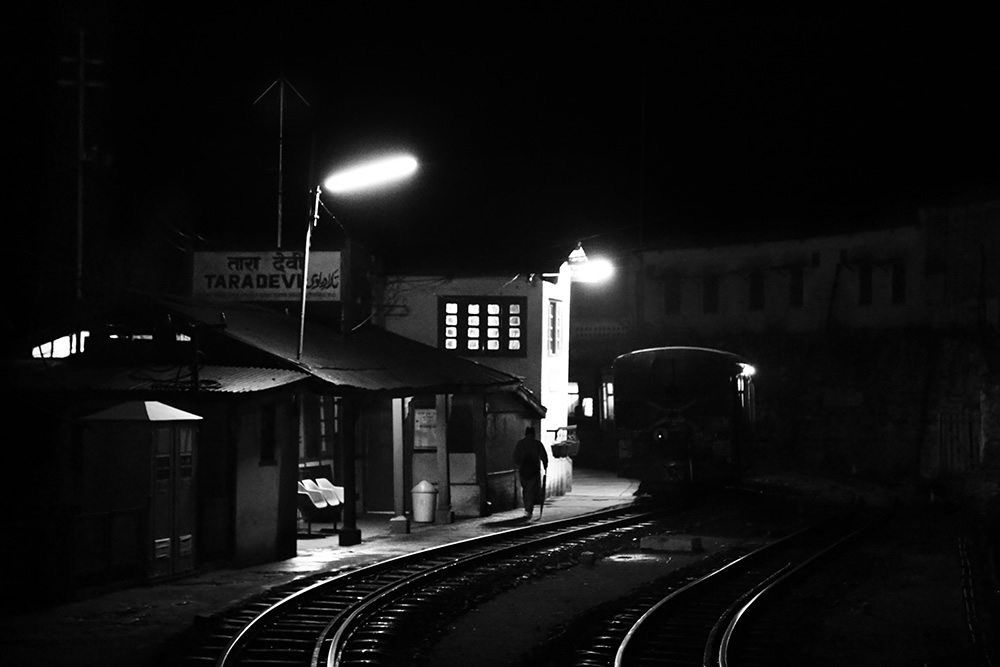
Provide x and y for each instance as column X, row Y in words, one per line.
column 482, row 326
column 672, row 295
column 608, row 400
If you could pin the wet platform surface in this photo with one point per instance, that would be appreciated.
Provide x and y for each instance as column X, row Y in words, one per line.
column 132, row 626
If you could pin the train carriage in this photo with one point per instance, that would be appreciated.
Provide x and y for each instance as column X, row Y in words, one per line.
column 684, row 416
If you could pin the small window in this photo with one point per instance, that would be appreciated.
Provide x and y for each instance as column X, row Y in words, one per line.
column 711, row 294
column 467, row 324
column 757, row 290
column 573, row 396
column 555, row 327
column 898, row 284
column 796, row 287
column 865, row 285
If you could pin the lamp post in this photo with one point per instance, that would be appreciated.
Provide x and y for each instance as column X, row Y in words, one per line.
column 351, row 180
column 355, row 179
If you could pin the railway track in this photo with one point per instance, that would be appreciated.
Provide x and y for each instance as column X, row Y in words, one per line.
column 698, row 617
column 381, row 613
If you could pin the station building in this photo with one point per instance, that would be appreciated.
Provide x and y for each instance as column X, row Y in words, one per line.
column 203, row 413
column 515, row 322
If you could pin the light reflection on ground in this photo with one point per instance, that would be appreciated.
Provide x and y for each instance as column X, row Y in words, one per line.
column 637, row 558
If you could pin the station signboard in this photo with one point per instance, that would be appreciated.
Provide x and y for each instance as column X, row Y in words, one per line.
column 265, row 275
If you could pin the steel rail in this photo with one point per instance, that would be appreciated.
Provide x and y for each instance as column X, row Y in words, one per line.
column 748, row 575
column 268, row 617
column 360, row 613
column 780, row 578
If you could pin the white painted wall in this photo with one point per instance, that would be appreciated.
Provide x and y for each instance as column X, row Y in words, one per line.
column 411, row 309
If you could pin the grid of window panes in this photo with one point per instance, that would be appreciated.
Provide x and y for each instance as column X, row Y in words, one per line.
column 483, row 326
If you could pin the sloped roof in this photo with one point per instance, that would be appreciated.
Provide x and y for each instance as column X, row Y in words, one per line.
column 146, row 411
column 370, row 359
column 67, row 376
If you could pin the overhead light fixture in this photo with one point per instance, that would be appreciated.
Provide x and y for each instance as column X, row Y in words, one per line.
column 588, row 270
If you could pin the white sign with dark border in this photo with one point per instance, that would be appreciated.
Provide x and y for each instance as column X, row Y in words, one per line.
column 265, row 276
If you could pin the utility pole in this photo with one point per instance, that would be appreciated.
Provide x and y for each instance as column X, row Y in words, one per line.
column 81, row 83
column 281, row 83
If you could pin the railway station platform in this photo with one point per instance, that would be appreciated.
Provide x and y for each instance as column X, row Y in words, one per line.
column 592, row 490
column 137, row 626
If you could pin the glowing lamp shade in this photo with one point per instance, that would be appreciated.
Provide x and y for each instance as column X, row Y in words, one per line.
column 593, row 270
column 378, row 172
column 583, row 269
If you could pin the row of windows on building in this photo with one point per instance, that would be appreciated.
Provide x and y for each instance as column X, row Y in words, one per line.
column 493, row 326
column 756, row 283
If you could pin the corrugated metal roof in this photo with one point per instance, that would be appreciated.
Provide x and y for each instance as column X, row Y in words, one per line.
column 68, row 376
column 370, row 359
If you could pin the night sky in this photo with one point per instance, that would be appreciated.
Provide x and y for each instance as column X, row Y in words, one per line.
column 623, row 124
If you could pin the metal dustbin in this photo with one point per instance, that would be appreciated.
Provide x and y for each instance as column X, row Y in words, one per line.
column 424, row 502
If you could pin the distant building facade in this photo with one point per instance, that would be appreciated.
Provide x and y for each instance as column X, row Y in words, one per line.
column 875, row 349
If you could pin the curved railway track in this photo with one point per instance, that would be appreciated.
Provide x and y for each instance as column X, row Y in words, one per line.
column 694, row 618
column 376, row 614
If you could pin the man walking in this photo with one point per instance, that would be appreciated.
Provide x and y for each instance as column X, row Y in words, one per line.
column 529, row 455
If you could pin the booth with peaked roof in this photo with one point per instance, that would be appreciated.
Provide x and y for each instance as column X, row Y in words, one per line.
column 138, row 487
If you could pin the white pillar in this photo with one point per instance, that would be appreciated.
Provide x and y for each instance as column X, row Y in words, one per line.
column 399, row 523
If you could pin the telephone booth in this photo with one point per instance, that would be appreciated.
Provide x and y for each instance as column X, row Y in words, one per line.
column 141, row 457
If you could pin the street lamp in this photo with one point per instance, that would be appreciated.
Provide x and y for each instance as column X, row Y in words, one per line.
column 351, row 180
column 588, row 270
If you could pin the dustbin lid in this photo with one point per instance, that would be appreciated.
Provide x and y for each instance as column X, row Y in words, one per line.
column 424, row 487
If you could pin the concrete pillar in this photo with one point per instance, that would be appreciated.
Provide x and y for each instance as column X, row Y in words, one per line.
column 400, row 523
column 444, row 513
column 349, row 533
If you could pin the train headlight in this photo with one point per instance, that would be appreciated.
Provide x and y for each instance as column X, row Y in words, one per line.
column 746, row 370
column 659, row 435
